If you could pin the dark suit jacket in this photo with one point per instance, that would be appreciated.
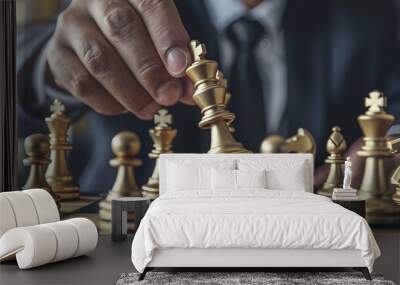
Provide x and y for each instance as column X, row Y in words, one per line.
column 337, row 51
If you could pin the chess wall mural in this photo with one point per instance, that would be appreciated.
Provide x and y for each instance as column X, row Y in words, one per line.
column 211, row 107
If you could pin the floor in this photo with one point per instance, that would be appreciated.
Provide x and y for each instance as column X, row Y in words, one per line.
column 389, row 262
column 103, row 266
column 106, row 264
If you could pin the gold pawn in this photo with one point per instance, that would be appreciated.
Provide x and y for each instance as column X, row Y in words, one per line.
column 301, row 142
column 57, row 174
column 125, row 145
column 37, row 148
column 374, row 186
column 336, row 147
column 162, row 136
column 210, row 96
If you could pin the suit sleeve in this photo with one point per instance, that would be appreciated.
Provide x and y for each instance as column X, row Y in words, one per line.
column 389, row 27
column 35, row 94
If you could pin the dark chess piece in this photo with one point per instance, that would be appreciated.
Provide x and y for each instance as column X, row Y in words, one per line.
column 37, row 148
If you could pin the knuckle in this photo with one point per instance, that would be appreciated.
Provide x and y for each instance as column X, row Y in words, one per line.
column 95, row 58
column 65, row 18
column 148, row 70
column 120, row 22
column 79, row 85
column 147, row 6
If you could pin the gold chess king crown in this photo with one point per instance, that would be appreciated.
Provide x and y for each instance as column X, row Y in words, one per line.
column 162, row 136
column 210, row 96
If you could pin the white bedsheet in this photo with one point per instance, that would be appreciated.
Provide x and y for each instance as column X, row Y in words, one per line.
column 250, row 219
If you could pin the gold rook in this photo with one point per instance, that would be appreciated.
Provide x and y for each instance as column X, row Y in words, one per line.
column 210, row 97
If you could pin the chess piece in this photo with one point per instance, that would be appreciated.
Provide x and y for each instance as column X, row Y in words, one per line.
column 228, row 96
column 125, row 145
column 395, row 179
column 57, row 174
column 162, row 136
column 374, row 186
column 395, row 145
column 302, row 142
column 396, row 182
column 37, row 148
column 210, row 97
column 336, row 147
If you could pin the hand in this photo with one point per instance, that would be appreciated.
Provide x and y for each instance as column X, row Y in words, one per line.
column 122, row 55
column 358, row 164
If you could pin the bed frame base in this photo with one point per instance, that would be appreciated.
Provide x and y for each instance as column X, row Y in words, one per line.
column 242, row 259
column 143, row 274
column 363, row 270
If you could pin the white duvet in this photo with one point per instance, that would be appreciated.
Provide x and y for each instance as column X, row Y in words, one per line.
column 250, row 219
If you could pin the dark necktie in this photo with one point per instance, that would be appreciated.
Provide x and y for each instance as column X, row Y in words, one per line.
column 245, row 84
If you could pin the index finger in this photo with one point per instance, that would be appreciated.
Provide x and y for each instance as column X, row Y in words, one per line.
column 167, row 33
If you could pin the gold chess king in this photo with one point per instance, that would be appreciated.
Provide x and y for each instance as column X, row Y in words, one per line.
column 162, row 136
column 210, row 96
column 374, row 186
column 58, row 174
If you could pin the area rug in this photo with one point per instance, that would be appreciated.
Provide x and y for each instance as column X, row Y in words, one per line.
column 243, row 278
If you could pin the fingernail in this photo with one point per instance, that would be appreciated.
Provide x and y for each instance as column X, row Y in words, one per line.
column 169, row 93
column 148, row 111
column 177, row 60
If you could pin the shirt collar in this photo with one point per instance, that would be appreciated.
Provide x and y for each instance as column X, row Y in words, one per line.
column 269, row 13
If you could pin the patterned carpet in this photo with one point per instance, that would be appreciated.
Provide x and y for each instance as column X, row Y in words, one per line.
column 243, row 278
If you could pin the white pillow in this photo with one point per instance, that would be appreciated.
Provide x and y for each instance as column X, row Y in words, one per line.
column 281, row 174
column 235, row 179
column 181, row 178
column 185, row 175
column 223, row 179
column 251, row 178
column 290, row 179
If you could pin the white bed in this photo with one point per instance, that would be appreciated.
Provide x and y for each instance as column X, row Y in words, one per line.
column 197, row 222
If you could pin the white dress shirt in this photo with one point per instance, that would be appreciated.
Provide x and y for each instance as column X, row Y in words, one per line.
column 270, row 52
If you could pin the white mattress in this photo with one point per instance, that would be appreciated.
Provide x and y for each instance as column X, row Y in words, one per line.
column 252, row 219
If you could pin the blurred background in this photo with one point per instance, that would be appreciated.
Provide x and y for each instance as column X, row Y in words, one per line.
column 39, row 13
column 31, row 12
